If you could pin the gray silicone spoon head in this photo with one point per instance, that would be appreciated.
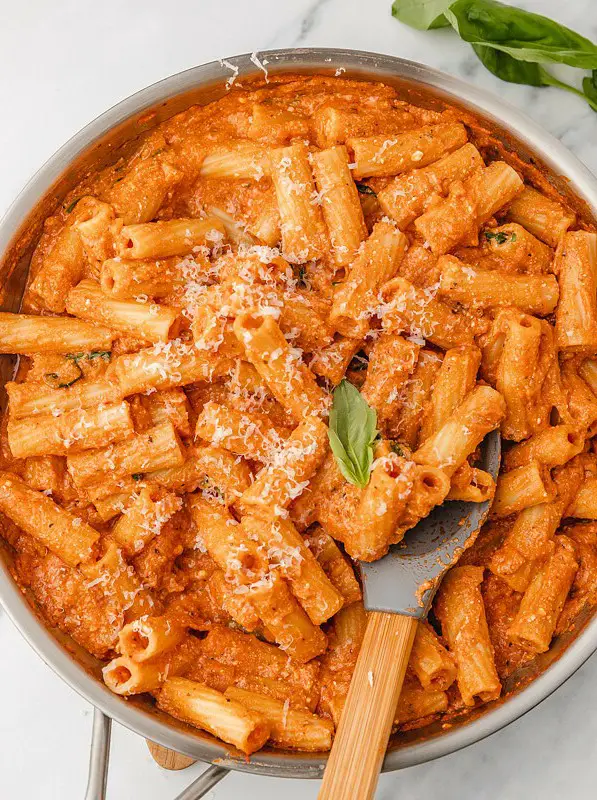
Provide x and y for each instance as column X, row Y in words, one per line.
column 405, row 580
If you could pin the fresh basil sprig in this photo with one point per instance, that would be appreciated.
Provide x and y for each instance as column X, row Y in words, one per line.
column 352, row 433
column 510, row 42
column 424, row 15
column 589, row 87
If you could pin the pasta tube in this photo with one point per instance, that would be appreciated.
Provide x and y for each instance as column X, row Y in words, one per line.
column 290, row 626
column 149, row 637
column 126, row 278
column 430, row 661
column 165, row 366
column 143, row 520
column 480, row 412
column 290, row 381
column 356, row 298
column 552, row 446
column 238, row 159
column 522, row 487
column 289, row 728
column 455, row 379
column 334, row 564
column 382, row 504
column 174, row 237
column 576, row 314
column 231, row 546
column 69, row 433
column 340, row 203
column 405, row 198
column 61, row 268
column 460, row 283
column 33, row 399
column 301, row 222
column 240, row 432
column 125, row 677
column 65, row 534
column 457, row 219
column 391, row 361
column 157, row 448
column 140, row 192
column 535, row 622
column 26, row 335
column 411, row 309
column 389, row 155
column 285, row 478
column 147, row 321
column 288, row 554
column 544, row 218
column 210, row 710
column 460, row 610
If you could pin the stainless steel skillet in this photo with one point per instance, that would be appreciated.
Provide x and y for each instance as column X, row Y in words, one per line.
column 102, row 142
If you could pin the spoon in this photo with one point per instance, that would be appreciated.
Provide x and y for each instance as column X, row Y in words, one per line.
column 397, row 592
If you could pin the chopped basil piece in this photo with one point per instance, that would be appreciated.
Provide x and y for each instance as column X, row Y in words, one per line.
column 56, row 382
column 76, row 357
column 105, row 354
column 71, row 205
column 397, row 448
column 500, row 237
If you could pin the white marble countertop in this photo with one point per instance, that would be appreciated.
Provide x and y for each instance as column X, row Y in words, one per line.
column 61, row 65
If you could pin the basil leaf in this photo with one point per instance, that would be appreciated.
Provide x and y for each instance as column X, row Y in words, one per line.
column 589, row 86
column 500, row 237
column 352, row 433
column 423, row 15
column 510, row 42
column 76, row 357
column 507, row 68
column 521, row 34
column 54, row 380
column 70, row 206
column 105, row 354
column 549, row 80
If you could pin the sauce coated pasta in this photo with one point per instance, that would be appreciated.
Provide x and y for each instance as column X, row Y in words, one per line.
column 178, row 482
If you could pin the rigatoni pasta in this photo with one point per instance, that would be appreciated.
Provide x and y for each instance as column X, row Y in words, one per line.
column 26, row 334
column 340, row 203
column 270, row 342
column 387, row 155
column 460, row 611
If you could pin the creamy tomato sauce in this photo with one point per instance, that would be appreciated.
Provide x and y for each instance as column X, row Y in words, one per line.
column 214, row 162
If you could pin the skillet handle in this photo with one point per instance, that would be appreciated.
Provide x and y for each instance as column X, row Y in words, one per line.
column 100, row 757
column 360, row 745
column 201, row 785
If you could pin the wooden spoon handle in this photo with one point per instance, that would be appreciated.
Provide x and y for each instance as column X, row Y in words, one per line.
column 168, row 759
column 353, row 767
